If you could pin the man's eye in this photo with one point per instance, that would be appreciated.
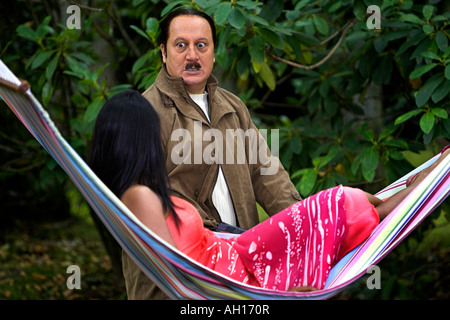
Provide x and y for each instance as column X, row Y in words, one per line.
column 181, row 45
column 202, row 44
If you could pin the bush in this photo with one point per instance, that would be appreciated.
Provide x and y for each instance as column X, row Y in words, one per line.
column 349, row 93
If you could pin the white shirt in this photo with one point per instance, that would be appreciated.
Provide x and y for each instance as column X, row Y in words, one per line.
column 221, row 197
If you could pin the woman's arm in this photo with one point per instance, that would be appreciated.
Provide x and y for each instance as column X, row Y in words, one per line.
column 147, row 207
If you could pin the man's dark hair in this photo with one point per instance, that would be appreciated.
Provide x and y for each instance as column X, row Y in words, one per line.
column 165, row 23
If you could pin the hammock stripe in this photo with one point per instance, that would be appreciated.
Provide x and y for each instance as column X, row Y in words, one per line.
column 176, row 274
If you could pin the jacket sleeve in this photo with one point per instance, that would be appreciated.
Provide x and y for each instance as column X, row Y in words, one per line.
column 272, row 186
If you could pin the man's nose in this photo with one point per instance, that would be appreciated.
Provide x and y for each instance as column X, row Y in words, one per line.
column 192, row 53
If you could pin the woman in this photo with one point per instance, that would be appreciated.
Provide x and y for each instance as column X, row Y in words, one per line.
column 293, row 250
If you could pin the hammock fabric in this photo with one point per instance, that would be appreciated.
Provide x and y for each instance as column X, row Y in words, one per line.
column 176, row 274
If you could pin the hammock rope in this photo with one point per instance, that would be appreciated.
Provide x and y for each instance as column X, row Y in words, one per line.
column 177, row 275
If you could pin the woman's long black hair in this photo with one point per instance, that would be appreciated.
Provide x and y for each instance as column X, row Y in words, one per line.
column 126, row 147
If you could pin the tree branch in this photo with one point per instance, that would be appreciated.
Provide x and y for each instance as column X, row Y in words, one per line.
column 325, row 59
column 115, row 16
column 85, row 7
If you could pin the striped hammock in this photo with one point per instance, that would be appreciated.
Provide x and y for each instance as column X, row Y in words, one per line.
column 183, row 278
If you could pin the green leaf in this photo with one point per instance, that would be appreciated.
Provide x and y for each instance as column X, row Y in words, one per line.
column 427, row 90
column 50, row 70
column 439, row 18
column 441, row 41
column 412, row 41
column 140, row 62
column 298, row 173
column 306, row 39
column 41, row 58
column 427, row 11
column 359, row 9
column 271, row 10
column 292, row 15
column 407, row 116
column 387, row 132
column 427, row 122
column 170, row 6
column 441, row 92
column 428, row 28
column 430, row 55
column 236, row 18
column 369, row 163
column 447, row 72
column 422, row 70
column 27, row 33
column 47, row 93
column 92, row 110
column 356, row 163
column 409, row 17
column 140, row 32
column 301, row 4
column 321, row 25
column 380, row 44
column 256, row 49
column 206, row 3
column 271, row 37
column 267, row 76
column 406, row 5
column 440, row 113
column 222, row 12
column 396, row 143
column 308, row 181
column 256, row 66
column 248, row 4
column 152, row 26
column 296, row 144
column 258, row 20
column 44, row 28
column 320, row 162
column 382, row 74
column 116, row 89
column 335, row 6
column 330, row 106
column 366, row 133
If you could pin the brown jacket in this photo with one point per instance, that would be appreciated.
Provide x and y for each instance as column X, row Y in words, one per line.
column 194, row 181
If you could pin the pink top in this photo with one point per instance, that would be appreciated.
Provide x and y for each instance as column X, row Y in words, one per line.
column 296, row 247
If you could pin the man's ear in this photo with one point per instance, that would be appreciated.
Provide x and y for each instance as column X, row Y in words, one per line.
column 163, row 52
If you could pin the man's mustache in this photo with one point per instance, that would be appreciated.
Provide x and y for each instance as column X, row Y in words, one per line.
column 194, row 65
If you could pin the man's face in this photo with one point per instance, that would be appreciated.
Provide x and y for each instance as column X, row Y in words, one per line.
column 190, row 51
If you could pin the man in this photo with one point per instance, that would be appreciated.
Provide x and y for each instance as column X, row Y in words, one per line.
column 216, row 158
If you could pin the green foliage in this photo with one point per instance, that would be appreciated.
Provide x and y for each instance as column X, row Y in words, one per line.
column 35, row 258
column 62, row 59
column 348, row 99
column 281, row 52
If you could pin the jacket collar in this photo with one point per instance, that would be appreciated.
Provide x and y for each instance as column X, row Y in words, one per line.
column 175, row 94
